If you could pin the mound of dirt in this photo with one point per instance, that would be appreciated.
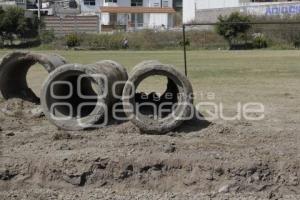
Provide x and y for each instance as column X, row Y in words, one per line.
column 20, row 108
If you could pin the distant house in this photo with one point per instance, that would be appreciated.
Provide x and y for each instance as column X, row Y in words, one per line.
column 112, row 14
column 65, row 16
column 136, row 14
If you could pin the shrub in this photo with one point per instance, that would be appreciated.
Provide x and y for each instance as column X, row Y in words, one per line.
column 47, row 36
column 150, row 40
column 233, row 27
column 259, row 41
column 1, row 42
column 72, row 40
column 296, row 41
column 103, row 41
column 141, row 40
column 187, row 42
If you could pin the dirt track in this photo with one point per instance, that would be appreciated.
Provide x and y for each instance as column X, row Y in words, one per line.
column 201, row 160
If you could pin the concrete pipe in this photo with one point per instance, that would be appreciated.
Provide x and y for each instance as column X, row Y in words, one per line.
column 155, row 114
column 13, row 70
column 76, row 97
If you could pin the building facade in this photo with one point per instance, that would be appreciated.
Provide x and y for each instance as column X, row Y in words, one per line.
column 125, row 14
column 136, row 13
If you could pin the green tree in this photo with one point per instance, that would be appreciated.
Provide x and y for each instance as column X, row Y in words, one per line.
column 233, row 26
column 14, row 23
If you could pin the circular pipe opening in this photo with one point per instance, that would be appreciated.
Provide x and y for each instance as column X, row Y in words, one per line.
column 67, row 93
column 74, row 98
column 16, row 73
column 35, row 78
column 13, row 81
column 170, row 109
column 155, row 96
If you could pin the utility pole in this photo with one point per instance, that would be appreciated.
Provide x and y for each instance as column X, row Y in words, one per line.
column 184, row 50
column 39, row 16
column 39, row 9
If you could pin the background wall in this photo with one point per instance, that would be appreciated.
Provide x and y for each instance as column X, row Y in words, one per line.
column 189, row 7
column 265, row 9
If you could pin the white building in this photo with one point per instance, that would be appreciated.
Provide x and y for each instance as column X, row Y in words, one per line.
column 126, row 14
column 131, row 13
column 193, row 8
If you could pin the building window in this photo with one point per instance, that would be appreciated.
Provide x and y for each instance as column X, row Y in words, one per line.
column 113, row 19
column 165, row 3
column 137, row 19
column 89, row 2
column 136, row 2
column 20, row 1
column 111, row 1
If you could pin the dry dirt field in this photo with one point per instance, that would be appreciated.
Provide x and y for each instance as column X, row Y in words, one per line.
column 220, row 159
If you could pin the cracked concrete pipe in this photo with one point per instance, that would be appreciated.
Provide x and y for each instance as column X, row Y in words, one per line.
column 153, row 113
column 13, row 70
column 76, row 97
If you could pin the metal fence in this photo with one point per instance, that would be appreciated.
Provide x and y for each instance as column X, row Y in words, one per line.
column 259, row 35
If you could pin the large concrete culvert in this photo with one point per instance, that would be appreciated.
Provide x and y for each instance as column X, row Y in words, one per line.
column 89, row 101
column 153, row 113
column 14, row 68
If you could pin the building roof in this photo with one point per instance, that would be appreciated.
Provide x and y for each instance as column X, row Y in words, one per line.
column 137, row 9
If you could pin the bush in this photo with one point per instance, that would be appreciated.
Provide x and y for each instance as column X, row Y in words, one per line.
column 102, row 41
column 260, row 41
column 187, row 43
column 24, row 44
column 151, row 40
column 296, row 41
column 72, row 40
column 47, row 36
column 233, row 27
column 1, row 43
column 141, row 40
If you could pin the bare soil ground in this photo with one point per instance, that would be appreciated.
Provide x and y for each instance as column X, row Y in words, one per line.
column 201, row 160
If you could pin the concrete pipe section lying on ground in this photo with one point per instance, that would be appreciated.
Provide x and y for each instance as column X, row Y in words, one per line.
column 153, row 114
column 13, row 70
column 76, row 97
